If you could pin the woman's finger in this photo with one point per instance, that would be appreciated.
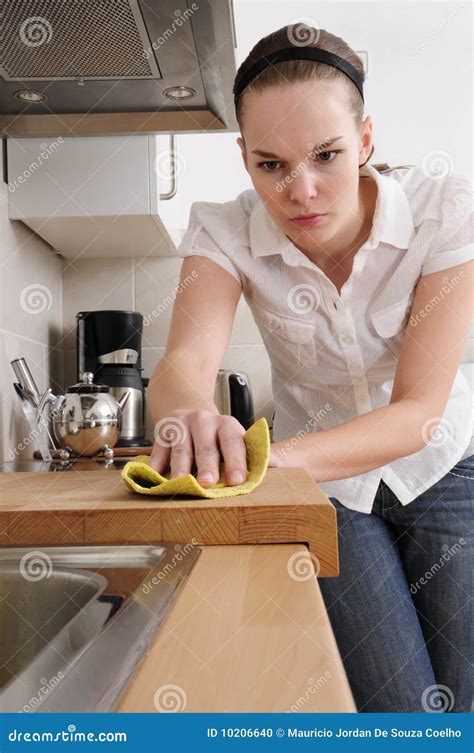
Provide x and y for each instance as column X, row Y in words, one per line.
column 232, row 447
column 167, row 432
column 176, row 432
column 206, row 451
column 160, row 453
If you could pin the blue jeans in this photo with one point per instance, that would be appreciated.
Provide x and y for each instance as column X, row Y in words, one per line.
column 401, row 607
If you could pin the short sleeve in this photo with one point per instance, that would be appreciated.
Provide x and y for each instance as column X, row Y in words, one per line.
column 197, row 241
column 453, row 241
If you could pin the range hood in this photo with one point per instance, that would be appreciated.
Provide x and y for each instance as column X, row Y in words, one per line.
column 102, row 67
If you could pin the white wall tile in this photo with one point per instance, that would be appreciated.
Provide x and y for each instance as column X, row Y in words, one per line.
column 156, row 282
column 91, row 285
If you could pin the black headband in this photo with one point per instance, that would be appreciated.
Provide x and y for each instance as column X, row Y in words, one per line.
column 299, row 53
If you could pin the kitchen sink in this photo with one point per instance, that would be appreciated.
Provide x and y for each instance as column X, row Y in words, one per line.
column 77, row 621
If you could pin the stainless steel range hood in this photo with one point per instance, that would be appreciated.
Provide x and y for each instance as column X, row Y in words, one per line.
column 116, row 66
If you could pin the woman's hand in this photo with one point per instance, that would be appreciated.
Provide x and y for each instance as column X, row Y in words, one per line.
column 200, row 437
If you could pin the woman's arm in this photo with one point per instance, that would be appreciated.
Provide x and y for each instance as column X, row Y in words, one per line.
column 200, row 329
column 188, row 426
column 429, row 358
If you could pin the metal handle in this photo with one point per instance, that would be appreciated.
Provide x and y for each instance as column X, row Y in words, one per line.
column 174, row 180
column 25, row 378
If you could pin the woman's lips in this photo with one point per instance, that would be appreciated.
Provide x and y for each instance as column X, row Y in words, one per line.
column 311, row 221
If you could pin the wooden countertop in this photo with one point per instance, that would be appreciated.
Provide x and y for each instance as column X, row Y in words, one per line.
column 77, row 507
column 244, row 636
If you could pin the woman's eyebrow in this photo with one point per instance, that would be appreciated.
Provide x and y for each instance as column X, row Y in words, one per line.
column 326, row 142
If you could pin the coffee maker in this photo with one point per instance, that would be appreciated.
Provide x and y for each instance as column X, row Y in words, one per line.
column 109, row 346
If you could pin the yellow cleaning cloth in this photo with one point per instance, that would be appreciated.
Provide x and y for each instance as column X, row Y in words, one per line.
column 142, row 479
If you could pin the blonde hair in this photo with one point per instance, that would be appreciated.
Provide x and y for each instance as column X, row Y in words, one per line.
column 291, row 71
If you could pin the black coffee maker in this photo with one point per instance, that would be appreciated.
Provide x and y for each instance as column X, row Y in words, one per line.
column 109, row 345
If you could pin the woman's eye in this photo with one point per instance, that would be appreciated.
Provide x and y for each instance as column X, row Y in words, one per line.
column 271, row 166
column 326, row 160
column 264, row 164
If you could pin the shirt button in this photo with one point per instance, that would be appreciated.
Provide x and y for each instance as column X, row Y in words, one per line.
column 347, row 340
column 275, row 324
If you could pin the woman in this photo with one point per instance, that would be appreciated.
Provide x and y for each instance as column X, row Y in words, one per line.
column 364, row 310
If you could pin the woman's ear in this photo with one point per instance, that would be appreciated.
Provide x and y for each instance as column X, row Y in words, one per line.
column 241, row 143
column 366, row 145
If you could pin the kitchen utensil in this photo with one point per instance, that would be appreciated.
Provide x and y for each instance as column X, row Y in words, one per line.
column 39, row 433
column 233, row 396
column 87, row 419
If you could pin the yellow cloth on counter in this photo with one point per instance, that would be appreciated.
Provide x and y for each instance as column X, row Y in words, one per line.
column 142, row 479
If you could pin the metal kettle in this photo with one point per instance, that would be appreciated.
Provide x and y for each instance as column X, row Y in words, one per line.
column 87, row 420
column 233, row 396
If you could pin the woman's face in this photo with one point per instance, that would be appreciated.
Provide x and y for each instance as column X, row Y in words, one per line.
column 302, row 150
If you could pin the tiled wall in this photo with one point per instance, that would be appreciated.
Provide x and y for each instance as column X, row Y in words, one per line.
column 30, row 323
column 143, row 285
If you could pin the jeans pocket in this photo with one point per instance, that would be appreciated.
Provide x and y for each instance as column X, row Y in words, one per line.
column 464, row 467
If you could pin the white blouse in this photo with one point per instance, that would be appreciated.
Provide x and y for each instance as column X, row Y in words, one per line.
column 334, row 356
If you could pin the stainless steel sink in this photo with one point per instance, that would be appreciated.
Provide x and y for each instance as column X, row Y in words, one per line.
column 76, row 621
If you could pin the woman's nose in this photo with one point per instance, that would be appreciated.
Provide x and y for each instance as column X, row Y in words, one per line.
column 302, row 190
